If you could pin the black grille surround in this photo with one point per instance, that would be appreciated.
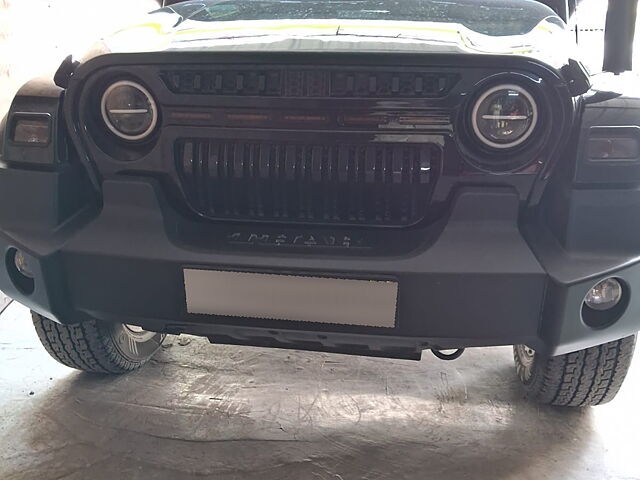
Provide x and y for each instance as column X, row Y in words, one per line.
column 337, row 105
column 318, row 83
column 377, row 184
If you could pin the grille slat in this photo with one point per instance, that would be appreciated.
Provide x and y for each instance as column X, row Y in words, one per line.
column 300, row 82
column 370, row 184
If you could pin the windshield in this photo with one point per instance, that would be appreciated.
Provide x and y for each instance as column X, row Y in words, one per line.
column 489, row 17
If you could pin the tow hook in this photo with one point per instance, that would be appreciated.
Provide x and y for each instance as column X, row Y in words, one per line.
column 447, row 356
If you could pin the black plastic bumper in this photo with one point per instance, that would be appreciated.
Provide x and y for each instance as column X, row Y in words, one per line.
column 473, row 280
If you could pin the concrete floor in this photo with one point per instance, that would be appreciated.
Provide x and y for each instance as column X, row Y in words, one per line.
column 219, row 412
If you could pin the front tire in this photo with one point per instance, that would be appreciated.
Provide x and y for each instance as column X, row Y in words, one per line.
column 588, row 377
column 97, row 347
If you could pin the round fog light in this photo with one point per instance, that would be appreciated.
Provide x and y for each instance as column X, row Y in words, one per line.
column 604, row 295
column 20, row 269
column 22, row 264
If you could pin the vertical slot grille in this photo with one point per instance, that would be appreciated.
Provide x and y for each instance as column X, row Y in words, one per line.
column 370, row 184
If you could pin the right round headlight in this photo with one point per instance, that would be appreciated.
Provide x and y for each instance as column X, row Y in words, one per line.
column 504, row 116
column 129, row 110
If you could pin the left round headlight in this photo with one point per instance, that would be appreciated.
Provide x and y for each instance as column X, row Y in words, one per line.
column 129, row 110
column 504, row 116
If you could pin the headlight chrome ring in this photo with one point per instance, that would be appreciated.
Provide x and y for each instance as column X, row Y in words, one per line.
column 132, row 115
column 521, row 115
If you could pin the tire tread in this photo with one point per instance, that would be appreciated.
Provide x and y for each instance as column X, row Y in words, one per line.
column 588, row 377
column 84, row 346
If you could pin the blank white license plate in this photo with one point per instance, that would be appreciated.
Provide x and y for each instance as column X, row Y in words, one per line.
column 288, row 297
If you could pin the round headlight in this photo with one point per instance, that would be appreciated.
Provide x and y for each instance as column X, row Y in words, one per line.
column 504, row 116
column 128, row 110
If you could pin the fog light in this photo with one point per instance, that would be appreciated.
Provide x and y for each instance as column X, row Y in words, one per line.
column 604, row 295
column 20, row 270
column 22, row 264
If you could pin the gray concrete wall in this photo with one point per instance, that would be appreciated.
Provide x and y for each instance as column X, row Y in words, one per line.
column 36, row 35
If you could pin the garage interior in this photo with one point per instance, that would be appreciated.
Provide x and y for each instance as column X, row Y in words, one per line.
column 225, row 412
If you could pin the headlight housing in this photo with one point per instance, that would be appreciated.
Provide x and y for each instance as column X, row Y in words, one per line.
column 129, row 110
column 504, row 116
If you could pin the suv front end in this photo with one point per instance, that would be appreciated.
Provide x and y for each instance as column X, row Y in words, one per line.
column 373, row 197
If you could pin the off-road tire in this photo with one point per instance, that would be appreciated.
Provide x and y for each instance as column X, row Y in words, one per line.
column 584, row 378
column 97, row 347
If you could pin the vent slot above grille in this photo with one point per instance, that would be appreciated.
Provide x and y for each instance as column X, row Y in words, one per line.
column 225, row 82
column 370, row 184
column 301, row 82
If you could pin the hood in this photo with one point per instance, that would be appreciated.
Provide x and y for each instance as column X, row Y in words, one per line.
column 498, row 27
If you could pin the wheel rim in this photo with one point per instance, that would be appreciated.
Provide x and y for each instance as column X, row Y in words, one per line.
column 138, row 333
column 527, row 357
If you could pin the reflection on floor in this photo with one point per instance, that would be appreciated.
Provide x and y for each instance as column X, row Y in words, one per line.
column 204, row 411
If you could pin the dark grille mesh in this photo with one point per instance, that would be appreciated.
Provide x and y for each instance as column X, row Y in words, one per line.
column 373, row 184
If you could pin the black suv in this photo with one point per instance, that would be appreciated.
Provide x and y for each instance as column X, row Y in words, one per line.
column 371, row 177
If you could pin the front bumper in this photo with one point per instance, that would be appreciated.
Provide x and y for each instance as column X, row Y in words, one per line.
column 475, row 279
